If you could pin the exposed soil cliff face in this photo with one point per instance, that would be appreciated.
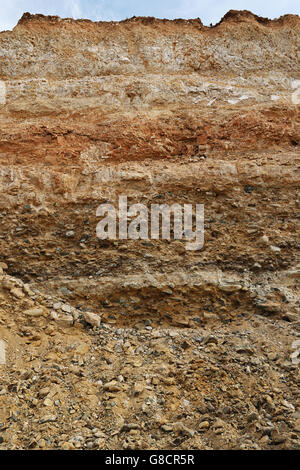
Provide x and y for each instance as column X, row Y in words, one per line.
column 143, row 344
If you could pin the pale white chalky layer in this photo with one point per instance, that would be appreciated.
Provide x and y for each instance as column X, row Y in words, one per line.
column 2, row 352
column 296, row 96
column 2, row 92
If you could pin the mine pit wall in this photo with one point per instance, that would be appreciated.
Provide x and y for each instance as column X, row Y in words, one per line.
column 162, row 112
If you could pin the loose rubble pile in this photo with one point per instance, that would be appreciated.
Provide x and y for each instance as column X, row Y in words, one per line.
column 142, row 344
column 72, row 381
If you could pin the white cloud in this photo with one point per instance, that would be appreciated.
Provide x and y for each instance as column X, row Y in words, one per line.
column 75, row 8
column 12, row 11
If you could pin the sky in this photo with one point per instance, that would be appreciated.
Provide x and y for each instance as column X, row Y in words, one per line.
column 210, row 11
